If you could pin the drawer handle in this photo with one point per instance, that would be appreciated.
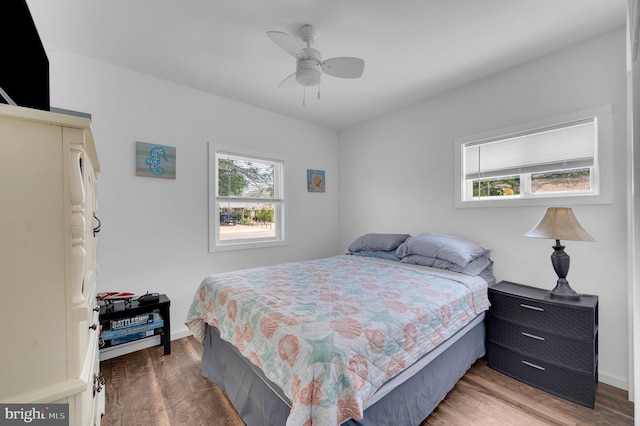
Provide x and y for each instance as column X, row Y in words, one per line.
column 93, row 326
column 533, row 336
column 96, row 309
column 533, row 365
column 97, row 228
column 533, row 308
column 98, row 383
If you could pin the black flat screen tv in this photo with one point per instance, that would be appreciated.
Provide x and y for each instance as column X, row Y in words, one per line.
column 24, row 73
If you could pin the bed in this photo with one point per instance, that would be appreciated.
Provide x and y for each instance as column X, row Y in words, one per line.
column 376, row 336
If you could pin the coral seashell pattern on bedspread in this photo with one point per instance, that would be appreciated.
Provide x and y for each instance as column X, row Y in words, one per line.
column 331, row 331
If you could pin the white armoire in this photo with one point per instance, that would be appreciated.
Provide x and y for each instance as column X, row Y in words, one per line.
column 49, row 225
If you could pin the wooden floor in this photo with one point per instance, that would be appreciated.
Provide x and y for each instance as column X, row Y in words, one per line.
column 147, row 388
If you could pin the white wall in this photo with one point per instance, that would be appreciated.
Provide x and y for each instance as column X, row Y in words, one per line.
column 154, row 231
column 396, row 175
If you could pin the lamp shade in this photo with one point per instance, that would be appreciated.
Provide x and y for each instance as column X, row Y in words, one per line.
column 559, row 223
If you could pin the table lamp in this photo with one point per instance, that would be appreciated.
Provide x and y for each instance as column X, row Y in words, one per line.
column 559, row 223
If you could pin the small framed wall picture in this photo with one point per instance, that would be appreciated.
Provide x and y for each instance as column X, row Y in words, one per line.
column 315, row 180
column 158, row 161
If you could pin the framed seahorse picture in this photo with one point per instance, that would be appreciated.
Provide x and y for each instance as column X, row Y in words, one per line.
column 158, row 161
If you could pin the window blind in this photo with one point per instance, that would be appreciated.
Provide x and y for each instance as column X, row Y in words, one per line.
column 248, row 179
column 566, row 146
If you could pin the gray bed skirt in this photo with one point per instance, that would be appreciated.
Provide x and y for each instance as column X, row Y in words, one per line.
column 261, row 403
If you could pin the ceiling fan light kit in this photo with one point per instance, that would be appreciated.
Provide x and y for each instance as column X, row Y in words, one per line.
column 309, row 63
column 308, row 70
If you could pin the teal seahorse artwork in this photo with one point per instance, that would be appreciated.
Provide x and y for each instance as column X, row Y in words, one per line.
column 155, row 160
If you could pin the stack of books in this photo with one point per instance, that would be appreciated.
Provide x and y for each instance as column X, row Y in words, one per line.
column 132, row 328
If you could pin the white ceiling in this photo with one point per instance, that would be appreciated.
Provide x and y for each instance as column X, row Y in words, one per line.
column 412, row 48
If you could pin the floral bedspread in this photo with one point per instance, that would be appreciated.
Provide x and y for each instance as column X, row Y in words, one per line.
column 331, row 331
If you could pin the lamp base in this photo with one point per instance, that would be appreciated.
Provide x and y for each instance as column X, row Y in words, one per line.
column 563, row 291
column 560, row 261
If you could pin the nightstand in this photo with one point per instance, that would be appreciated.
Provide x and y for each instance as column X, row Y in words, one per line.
column 547, row 343
column 121, row 310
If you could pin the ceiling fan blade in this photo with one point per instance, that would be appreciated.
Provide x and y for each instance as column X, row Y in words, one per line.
column 286, row 43
column 290, row 81
column 343, row 67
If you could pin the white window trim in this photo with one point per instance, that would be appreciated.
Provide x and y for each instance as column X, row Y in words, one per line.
column 217, row 245
column 604, row 158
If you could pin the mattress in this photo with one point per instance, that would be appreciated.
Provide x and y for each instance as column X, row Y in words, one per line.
column 405, row 400
column 330, row 335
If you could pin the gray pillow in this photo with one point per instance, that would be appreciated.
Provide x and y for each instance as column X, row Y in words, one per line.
column 453, row 249
column 376, row 242
column 381, row 254
column 475, row 267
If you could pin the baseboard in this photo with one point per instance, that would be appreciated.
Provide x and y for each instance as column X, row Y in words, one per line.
column 137, row 345
column 180, row 334
column 613, row 381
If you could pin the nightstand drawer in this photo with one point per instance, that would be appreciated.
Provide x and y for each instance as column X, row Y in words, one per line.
column 572, row 385
column 574, row 354
column 563, row 320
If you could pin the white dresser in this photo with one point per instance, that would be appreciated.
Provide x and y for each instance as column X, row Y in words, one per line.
column 48, row 267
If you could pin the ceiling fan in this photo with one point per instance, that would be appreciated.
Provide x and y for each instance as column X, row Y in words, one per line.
column 309, row 63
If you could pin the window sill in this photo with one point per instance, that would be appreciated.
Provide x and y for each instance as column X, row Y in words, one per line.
column 246, row 245
column 565, row 200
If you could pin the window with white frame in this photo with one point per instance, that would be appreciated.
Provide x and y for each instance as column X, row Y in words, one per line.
column 551, row 158
column 246, row 199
